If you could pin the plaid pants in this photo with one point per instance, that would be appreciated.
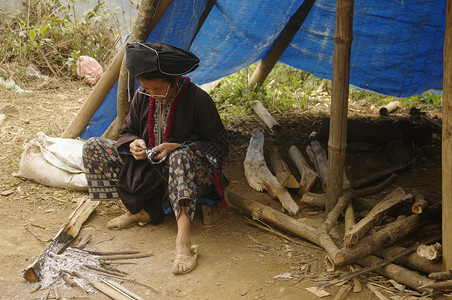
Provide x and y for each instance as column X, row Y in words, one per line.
column 190, row 176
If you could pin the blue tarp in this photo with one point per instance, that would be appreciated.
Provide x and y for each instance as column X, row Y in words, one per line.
column 397, row 46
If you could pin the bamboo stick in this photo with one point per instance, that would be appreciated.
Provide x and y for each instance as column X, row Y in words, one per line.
column 280, row 44
column 447, row 142
column 337, row 141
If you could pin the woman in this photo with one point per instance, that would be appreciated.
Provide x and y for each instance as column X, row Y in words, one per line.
column 169, row 151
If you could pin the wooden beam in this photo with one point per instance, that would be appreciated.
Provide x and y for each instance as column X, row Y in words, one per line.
column 337, row 142
column 149, row 14
column 265, row 213
column 209, row 5
column 280, row 44
column 447, row 143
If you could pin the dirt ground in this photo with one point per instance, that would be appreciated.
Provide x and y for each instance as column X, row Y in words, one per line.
column 237, row 260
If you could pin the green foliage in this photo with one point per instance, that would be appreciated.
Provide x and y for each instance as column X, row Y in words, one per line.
column 284, row 88
column 43, row 33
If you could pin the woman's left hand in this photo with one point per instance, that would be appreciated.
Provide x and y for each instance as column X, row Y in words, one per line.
column 164, row 149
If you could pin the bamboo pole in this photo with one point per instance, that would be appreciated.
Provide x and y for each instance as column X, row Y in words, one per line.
column 149, row 14
column 280, row 44
column 209, row 5
column 447, row 143
column 339, row 101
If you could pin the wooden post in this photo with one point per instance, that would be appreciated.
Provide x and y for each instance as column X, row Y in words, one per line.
column 447, row 143
column 149, row 14
column 280, row 44
column 209, row 5
column 337, row 142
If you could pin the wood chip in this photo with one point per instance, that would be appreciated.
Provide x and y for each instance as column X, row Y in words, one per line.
column 376, row 292
column 318, row 292
column 343, row 292
column 7, row 193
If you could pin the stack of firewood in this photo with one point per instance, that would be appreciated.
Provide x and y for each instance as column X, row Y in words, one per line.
column 369, row 242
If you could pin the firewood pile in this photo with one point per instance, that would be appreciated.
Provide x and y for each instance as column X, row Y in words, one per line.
column 369, row 243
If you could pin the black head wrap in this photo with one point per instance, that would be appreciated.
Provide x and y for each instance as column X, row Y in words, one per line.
column 159, row 58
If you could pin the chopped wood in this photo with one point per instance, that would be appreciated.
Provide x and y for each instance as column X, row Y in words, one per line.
column 381, row 263
column 65, row 235
column 430, row 252
column 349, row 217
column 314, row 199
column 356, row 283
column 379, row 175
column 318, row 292
column 123, row 289
column 419, row 203
column 385, row 237
column 110, row 291
column 445, row 286
column 259, row 176
column 320, row 161
column 272, row 216
column 265, row 116
column 336, row 256
column 343, row 292
column 376, row 292
column 388, row 108
column 402, row 275
column 281, row 170
column 441, row 275
column 307, row 175
column 375, row 216
column 412, row 261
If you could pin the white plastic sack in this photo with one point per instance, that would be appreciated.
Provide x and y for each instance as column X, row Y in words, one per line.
column 53, row 162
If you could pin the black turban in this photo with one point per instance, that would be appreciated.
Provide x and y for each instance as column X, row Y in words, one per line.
column 159, row 58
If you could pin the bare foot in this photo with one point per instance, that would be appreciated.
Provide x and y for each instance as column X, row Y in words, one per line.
column 127, row 220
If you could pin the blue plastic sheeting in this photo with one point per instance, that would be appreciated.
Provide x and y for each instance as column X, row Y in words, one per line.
column 397, row 46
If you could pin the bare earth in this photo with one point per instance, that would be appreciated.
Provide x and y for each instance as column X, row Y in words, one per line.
column 237, row 260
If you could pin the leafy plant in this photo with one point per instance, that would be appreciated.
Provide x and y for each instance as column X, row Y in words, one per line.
column 43, row 33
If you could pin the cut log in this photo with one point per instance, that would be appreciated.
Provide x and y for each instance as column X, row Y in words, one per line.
column 65, row 235
column 324, row 239
column 399, row 274
column 259, row 176
column 379, row 175
column 412, row 261
column 441, row 275
column 320, row 162
column 267, row 214
column 265, row 116
column 388, row 108
column 375, row 216
column 281, row 171
column 430, row 252
column 307, row 175
column 314, row 199
column 419, row 203
column 385, row 237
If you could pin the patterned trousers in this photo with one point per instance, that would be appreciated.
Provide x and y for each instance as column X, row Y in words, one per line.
column 189, row 176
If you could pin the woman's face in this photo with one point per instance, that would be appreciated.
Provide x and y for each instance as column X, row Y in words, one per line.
column 158, row 88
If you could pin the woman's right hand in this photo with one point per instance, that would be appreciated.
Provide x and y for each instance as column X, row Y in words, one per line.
column 138, row 149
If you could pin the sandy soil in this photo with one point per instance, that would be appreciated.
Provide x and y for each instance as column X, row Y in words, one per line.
column 237, row 260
